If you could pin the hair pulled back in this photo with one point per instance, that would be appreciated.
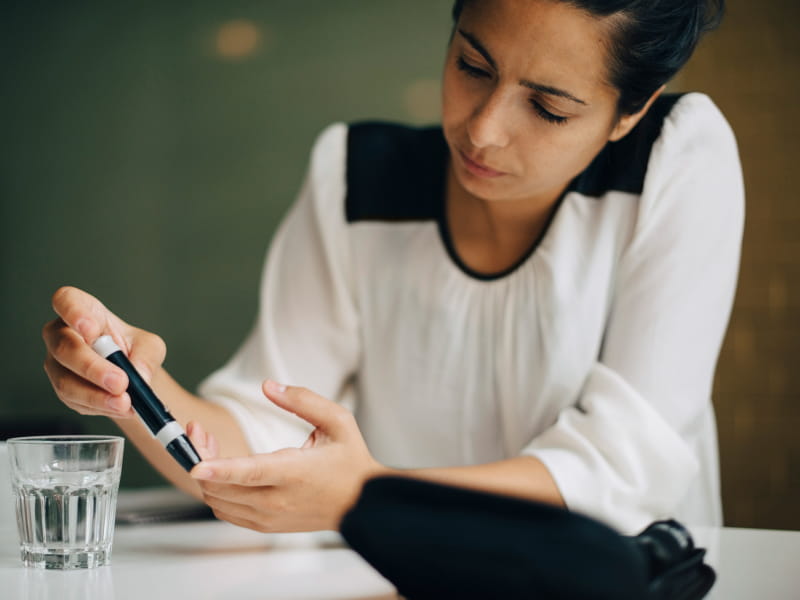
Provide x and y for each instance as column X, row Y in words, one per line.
column 650, row 40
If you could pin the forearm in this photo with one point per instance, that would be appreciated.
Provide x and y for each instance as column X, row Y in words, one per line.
column 523, row 476
column 185, row 407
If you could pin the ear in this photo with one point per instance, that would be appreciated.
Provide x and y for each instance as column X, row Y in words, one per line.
column 628, row 122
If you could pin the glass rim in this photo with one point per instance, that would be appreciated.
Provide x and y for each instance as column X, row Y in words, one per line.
column 73, row 439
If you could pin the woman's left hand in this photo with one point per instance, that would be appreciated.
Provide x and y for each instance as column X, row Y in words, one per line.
column 293, row 489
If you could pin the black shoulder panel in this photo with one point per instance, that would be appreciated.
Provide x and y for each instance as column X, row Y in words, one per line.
column 394, row 172
column 621, row 166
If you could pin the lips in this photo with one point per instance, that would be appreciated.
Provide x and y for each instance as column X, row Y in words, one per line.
column 478, row 168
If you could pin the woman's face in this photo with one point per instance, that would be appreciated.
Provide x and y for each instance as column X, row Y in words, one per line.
column 526, row 105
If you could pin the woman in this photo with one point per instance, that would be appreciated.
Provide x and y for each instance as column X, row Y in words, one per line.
column 529, row 300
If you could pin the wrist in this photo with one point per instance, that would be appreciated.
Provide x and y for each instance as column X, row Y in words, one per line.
column 372, row 469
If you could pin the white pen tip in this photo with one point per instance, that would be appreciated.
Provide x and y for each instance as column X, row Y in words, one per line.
column 105, row 346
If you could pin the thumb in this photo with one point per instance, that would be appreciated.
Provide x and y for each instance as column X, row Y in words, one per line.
column 322, row 413
column 81, row 311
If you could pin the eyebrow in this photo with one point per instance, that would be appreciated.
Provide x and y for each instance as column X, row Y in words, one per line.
column 545, row 89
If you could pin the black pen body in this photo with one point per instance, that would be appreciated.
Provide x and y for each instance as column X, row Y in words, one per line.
column 150, row 409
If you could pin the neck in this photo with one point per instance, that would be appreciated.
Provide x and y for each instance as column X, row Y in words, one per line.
column 493, row 235
column 497, row 219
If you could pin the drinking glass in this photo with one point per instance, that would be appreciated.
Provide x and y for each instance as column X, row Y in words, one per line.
column 65, row 490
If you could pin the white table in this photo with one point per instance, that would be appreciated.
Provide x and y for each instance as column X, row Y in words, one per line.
column 215, row 560
column 754, row 564
column 199, row 561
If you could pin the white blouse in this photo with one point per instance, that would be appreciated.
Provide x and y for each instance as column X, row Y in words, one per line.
column 595, row 353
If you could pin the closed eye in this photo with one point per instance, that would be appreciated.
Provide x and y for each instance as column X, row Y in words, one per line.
column 471, row 70
column 547, row 115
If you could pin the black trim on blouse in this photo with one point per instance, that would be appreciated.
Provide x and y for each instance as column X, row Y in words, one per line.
column 621, row 166
column 397, row 173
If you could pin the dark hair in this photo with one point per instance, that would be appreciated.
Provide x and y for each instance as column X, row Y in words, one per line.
column 650, row 40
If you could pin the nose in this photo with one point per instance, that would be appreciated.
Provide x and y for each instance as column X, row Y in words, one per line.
column 490, row 123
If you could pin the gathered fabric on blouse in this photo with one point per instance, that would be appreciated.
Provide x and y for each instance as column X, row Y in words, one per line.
column 595, row 353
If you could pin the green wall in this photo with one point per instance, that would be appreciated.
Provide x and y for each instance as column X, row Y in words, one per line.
column 144, row 166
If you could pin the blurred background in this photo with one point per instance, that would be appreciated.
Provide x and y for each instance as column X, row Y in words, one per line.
column 149, row 152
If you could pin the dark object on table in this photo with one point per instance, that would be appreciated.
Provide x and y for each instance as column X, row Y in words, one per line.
column 435, row 542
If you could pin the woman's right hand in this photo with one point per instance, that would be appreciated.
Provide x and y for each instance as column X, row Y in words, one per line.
column 82, row 379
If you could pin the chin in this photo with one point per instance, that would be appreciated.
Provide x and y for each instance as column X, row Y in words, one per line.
column 489, row 187
column 490, row 190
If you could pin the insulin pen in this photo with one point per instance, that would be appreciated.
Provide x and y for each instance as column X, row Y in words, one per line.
column 149, row 408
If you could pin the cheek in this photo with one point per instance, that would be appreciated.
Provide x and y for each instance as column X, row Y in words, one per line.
column 556, row 154
column 585, row 143
column 447, row 98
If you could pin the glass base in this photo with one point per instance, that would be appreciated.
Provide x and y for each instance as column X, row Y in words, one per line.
column 65, row 559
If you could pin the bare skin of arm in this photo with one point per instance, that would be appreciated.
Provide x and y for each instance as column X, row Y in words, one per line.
column 521, row 476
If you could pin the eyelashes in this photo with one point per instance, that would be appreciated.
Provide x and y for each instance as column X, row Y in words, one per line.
column 547, row 115
column 471, row 70
column 478, row 73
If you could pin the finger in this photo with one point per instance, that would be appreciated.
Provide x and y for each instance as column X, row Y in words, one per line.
column 261, row 526
column 232, row 492
column 201, row 440
column 196, row 434
column 82, row 312
column 249, row 471
column 86, row 315
column 84, row 397
column 147, row 353
column 212, row 445
column 332, row 418
column 232, row 507
column 70, row 350
column 311, row 440
column 245, row 502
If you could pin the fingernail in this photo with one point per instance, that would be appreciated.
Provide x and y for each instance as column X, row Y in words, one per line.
column 197, row 433
column 117, row 404
column 84, row 327
column 113, row 382
column 201, row 472
column 275, row 387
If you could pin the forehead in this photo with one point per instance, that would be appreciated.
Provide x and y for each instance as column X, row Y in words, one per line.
column 547, row 41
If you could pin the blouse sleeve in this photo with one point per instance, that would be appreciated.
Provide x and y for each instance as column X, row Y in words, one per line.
column 306, row 332
column 623, row 453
